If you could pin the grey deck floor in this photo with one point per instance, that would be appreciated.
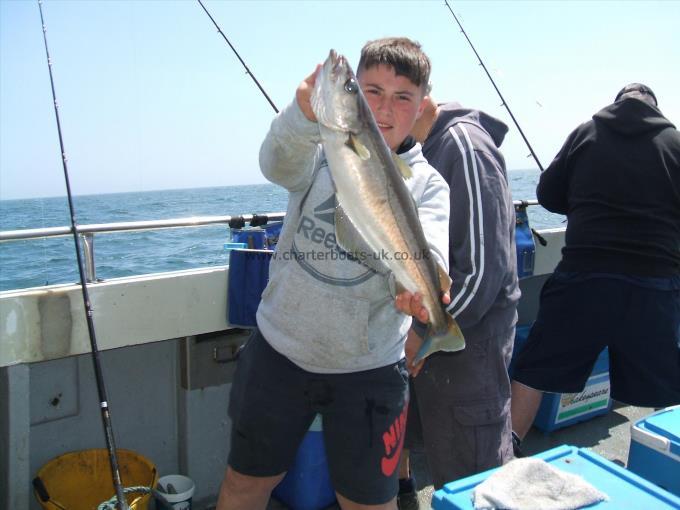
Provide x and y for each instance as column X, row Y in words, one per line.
column 608, row 436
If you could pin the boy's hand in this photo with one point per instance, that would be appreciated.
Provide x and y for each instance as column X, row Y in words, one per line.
column 413, row 343
column 412, row 304
column 303, row 94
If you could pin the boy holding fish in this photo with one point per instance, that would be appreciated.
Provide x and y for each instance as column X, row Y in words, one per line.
column 330, row 340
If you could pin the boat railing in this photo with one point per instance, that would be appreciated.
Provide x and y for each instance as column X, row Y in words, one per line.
column 87, row 232
column 524, row 203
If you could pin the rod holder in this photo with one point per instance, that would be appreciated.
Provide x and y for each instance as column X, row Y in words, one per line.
column 88, row 252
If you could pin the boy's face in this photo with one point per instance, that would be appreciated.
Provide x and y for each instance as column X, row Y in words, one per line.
column 396, row 102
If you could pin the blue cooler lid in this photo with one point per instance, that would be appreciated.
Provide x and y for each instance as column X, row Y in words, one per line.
column 626, row 490
column 666, row 423
column 660, row 431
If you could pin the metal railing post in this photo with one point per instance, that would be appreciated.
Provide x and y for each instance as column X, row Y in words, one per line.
column 88, row 249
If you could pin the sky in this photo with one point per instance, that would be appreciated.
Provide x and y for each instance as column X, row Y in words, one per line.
column 151, row 97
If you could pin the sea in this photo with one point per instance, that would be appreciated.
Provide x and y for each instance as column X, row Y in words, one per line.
column 37, row 262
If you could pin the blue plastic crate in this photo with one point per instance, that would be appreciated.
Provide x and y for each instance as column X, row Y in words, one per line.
column 521, row 335
column 248, row 276
column 655, row 448
column 233, row 246
column 272, row 233
column 524, row 243
column 558, row 410
column 307, row 484
column 254, row 238
column 626, row 490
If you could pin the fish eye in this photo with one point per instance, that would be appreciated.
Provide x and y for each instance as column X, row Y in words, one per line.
column 351, row 86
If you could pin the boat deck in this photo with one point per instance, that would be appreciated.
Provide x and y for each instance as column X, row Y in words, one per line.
column 607, row 435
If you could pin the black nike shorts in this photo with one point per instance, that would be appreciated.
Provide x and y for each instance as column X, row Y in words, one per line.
column 580, row 314
column 273, row 403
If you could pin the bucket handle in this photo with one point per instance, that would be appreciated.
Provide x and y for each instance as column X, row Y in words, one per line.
column 40, row 489
column 43, row 494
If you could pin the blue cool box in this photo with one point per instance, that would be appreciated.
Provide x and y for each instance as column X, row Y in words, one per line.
column 626, row 490
column 307, row 484
column 559, row 410
column 655, row 448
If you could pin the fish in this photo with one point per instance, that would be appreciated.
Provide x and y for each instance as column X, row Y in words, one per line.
column 376, row 217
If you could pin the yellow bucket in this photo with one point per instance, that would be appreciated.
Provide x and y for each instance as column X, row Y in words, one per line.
column 82, row 480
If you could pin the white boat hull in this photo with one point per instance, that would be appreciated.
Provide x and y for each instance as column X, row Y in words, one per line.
column 158, row 335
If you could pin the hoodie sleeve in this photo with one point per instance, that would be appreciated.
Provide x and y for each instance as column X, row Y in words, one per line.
column 289, row 151
column 482, row 217
column 553, row 184
column 433, row 212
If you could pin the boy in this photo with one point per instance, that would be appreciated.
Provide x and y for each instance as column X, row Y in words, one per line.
column 464, row 421
column 329, row 338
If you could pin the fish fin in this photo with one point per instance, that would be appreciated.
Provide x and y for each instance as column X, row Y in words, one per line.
column 404, row 169
column 451, row 340
column 359, row 148
column 445, row 281
column 351, row 241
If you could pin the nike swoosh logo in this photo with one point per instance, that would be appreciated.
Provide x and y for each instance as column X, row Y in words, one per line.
column 389, row 464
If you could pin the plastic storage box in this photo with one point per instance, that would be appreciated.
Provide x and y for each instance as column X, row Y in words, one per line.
column 655, row 448
column 524, row 242
column 254, row 238
column 248, row 276
column 272, row 232
column 307, row 485
column 559, row 410
column 626, row 490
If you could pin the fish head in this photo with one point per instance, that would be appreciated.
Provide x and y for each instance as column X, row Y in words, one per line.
column 337, row 95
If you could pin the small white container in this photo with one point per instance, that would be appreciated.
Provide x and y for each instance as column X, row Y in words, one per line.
column 182, row 499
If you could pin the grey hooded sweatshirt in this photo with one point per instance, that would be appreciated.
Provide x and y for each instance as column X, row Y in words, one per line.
column 325, row 313
column 463, row 147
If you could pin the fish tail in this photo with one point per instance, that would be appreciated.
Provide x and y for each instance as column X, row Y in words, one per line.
column 450, row 340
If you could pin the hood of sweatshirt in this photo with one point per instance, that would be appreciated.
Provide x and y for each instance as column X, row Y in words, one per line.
column 453, row 113
column 631, row 117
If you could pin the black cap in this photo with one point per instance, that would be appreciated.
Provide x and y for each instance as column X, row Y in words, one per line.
column 636, row 87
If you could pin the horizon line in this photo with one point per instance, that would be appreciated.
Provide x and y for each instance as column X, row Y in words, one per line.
column 63, row 195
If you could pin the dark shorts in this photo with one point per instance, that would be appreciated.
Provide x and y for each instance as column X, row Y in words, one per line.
column 582, row 313
column 273, row 403
column 460, row 409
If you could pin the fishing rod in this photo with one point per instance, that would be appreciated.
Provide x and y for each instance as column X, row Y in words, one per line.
column 495, row 87
column 101, row 389
column 248, row 72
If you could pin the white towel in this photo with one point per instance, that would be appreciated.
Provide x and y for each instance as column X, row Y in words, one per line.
column 531, row 484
